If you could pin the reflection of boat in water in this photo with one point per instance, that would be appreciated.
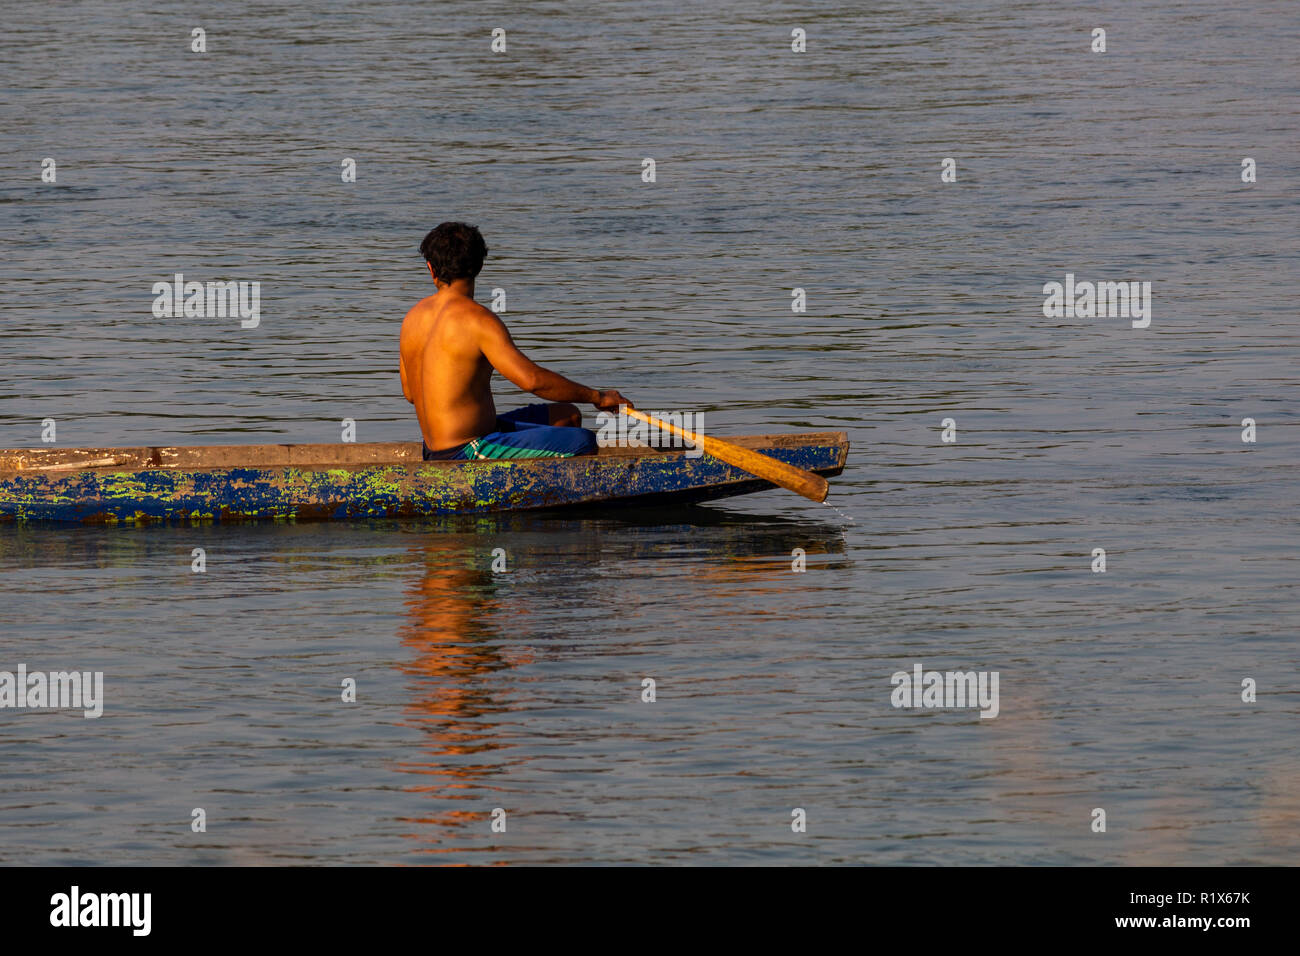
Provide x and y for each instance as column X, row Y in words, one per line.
column 379, row 479
column 478, row 645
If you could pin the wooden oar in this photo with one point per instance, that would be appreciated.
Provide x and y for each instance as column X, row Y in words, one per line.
column 756, row 463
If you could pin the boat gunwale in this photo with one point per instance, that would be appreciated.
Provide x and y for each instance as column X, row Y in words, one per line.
column 150, row 458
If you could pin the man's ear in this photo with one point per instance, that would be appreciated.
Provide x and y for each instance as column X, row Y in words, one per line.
column 431, row 275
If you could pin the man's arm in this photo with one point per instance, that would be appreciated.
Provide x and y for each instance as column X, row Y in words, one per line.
column 402, row 336
column 495, row 342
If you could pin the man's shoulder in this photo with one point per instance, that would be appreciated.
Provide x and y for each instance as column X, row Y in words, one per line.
column 471, row 315
column 424, row 307
column 421, row 310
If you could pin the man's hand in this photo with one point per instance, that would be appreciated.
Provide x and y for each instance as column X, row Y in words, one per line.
column 609, row 400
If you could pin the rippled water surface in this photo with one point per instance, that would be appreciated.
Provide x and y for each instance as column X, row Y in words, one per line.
column 775, row 170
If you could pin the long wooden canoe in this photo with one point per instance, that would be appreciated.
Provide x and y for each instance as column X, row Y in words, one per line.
column 378, row 479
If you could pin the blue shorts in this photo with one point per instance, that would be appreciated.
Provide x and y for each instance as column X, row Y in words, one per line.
column 523, row 433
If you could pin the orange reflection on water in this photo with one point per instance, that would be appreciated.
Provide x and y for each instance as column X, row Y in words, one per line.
column 452, row 607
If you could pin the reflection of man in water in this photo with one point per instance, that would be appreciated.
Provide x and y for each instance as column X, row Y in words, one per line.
column 449, row 633
column 451, row 643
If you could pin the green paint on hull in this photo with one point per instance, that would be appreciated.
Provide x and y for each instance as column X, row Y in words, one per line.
column 394, row 489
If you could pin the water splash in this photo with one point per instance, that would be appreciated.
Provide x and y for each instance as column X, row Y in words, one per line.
column 839, row 512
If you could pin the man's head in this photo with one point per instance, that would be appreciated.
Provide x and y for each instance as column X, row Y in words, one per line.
column 454, row 250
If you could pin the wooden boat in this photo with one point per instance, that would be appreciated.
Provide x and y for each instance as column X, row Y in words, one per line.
column 379, row 479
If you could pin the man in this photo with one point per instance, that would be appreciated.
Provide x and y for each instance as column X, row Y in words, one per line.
column 449, row 346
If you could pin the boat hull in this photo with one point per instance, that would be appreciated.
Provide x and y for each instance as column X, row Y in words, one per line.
column 293, row 482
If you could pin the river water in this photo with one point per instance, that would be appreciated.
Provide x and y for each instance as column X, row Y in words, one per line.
column 1119, row 690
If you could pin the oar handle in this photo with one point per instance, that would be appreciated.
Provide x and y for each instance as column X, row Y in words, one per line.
column 756, row 463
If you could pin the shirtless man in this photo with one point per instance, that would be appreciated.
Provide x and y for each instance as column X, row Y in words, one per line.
column 449, row 346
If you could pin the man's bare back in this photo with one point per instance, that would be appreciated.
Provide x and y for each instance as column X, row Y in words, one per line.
column 449, row 347
column 445, row 374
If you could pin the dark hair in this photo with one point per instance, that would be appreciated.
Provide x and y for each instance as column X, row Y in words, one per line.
column 455, row 250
